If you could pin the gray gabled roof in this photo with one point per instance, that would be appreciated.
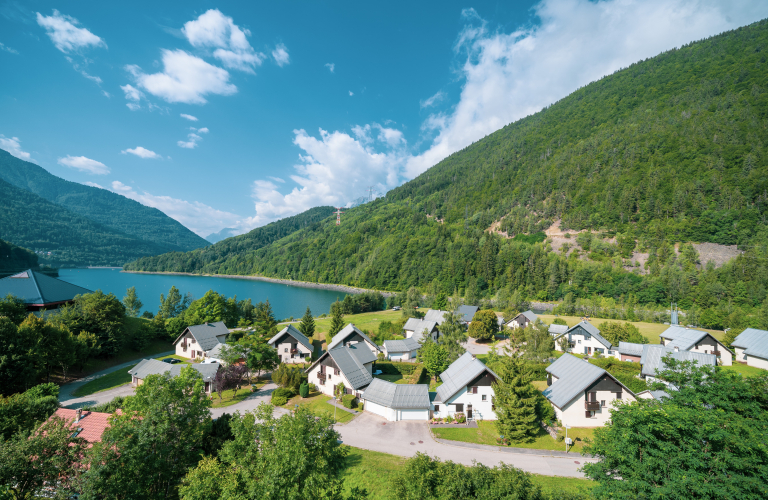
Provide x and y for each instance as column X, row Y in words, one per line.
column 215, row 351
column 206, row 335
column 753, row 341
column 574, row 375
column 417, row 326
column 296, row 334
column 466, row 313
column 405, row 345
column 631, row 349
column 33, row 287
column 397, row 395
column 558, row 330
column 592, row 330
column 345, row 332
column 681, row 337
column 653, row 358
column 351, row 361
column 529, row 315
column 436, row 315
column 148, row 367
column 461, row 372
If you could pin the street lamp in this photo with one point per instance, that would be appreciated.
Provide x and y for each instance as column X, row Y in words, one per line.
column 566, row 437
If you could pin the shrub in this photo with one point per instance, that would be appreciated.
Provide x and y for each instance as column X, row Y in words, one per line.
column 278, row 400
column 312, row 388
column 560, row 438
column 349, row 400
column 538, row 370
column 394, row 368
column 304, row 390
column 448, row 419
column 289, row 376
column 460, row 418
column 283, row 393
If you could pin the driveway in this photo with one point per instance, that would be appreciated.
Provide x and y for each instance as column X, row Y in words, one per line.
column 473, row 347
column 372, row 432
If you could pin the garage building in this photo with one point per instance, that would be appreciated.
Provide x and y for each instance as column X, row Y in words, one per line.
column 401, row 350
column 397, row 401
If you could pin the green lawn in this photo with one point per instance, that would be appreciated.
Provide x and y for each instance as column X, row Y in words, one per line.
column 231, row 396
column 377, row 472
column 365, row 321
column 486, row 433
column 397, row 379
column 650, row 331
column 110, row 380
column 747, row 371
column 318, row 404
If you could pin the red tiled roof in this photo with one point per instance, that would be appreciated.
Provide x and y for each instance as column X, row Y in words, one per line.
column 93, row 424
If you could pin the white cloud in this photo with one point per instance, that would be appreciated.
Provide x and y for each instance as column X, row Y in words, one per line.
column 188, row 117
column 280, row 54
column 8, row 49
column 133, row 106
column 426, row 103
column 185, row 78
column 93, row 184
column 276, row 179
column 200, row 218
column 65, row 34
column 84, row 164
column 132, row 93
column 193, row 138
column 217, row 31
column 141, row 153
column 351, row 93
column 203, row 130
column 331, row 67
column 13, row 146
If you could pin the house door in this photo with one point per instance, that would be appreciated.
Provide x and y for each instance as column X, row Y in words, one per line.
column 469, row 411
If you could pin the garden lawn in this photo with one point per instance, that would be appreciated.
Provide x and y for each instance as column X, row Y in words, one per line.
column 397, row 379
column 108, row 381
column 230, row 397
column 377, row 472
column 747, row 371
column 486, row 433
column 318, row 404
column 650, row 331
column 364, row 321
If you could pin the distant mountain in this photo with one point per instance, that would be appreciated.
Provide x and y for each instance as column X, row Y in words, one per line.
column 99, row 205
column 35, row 223
column 225, row 233
column 14, row 258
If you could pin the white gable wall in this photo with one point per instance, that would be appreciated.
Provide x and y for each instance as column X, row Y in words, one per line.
column 706, row 346
column 481, row 410
column 588, row 344
column 304, row 355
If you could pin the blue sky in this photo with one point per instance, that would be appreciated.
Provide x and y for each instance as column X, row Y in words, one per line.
column 235, row 114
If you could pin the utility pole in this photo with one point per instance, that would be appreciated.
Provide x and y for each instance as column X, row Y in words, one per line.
column 338, row 213
column 370, row 193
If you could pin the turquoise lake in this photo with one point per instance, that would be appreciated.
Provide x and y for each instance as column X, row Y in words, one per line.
column 286, row 300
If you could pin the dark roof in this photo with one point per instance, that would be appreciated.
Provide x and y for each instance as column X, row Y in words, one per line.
column 351, row 361
column 466, row 313
column 592, row 330
column 405, row 345
column 436, row 315
column 148, row 367
column 529, row 315
column 653, row 358
column 630, row 348
column 36, row 288
column 397, row 395
column 574, row 375
column 345, row 332
column 461, row 372
column 207, row 334
column 296, row 334
column 753, row 341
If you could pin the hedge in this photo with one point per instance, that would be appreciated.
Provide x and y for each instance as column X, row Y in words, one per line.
column 393, row 368
column 349, row 401
column 283, row 392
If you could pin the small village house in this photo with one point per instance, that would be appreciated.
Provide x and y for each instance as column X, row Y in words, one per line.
column 397, row 401
column 522, row 320
column 87, row 425
column 436, row 315
column 351, row 335
column 466, row 389
column 350, row 365
column 688, row 339
column 39, row 291
column 585, row 338
column 751, row 347
column 401, row 350
column 629, row 351
column 292, row 346
column 200, row 341
column 652, row 360
column 147, row 367
column 417, row 329
column 466, row 313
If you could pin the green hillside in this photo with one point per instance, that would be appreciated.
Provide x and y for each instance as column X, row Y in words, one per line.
column 101, row 206
column 671, row 149
column 14, row 258
column 30, row 221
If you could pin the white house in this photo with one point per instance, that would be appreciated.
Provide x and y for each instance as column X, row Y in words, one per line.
column 522, row 320
column 292, row 346
column 401, row 350
column 688, row 339
column 436, row 315
column 581, row 393
column 653, row 360
column 350, row 365
column 656, row 395
column 397, row 401
column 629, row 351
column 751, row 346
column 147, row 367
column 585, row 338
column 350, row 335
column 466, row 389
column 199, row 340
column 416, row 328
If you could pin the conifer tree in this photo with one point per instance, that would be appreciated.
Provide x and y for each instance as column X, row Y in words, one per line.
column 132, row 303
column 515, row 399
column 307, row 325
column 337, row 319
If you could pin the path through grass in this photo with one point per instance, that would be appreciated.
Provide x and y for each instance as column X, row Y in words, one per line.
column 486, row 433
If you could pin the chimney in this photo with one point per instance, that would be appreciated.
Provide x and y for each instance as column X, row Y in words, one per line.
column 78, row 414
column 677, row 349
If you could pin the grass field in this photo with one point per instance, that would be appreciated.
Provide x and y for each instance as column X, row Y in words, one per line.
column 365, row 321
column 747, row 371
column 377, row 472
column 109, row 381
column 486, row 433
column 650, row 331
column 318, row 404
column 231, row 396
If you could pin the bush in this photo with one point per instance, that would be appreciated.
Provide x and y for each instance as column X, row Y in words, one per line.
column 449, row 419
column 283, row 392
column 278, row 400
column 289, row 376
column 304, row 390
column 394, row 368
column 312, row 388
column 27, row 410
column 538, row 370
column 349, row 400
column 560, row 438
column 460, row 418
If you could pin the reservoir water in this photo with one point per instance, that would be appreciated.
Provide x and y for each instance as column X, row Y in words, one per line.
column 286, row 300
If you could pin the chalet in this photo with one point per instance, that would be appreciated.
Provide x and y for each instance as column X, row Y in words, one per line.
column 688, row 339
column 585, row 338
column 349, row 364
column 147, row 367
column 351, row 335
column 39, row 291
column 523, row 320
column 417, row 328
column 401, row 350
column 436, row 315
column 199, row 341
column 581, row 393
column 466, row 313
column 466, row 389
column 629, row 351
column 655, row 395
column 292, row 346
column 751, row 347
column 87, row 425
column 652, row 360
column 557, row 331
column 397, row 401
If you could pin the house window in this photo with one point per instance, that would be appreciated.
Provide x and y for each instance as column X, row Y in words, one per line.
column 484, row 397
column 602, row 403
column 610, row 351
column 618, row 395
column 460, row 407
column 285, row 349
column 437, row 408
column 329, row 376
column 592, row 414
column 578, row 341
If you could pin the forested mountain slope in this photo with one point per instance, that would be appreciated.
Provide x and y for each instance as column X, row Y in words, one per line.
column 30, row 221
column 14, row 258
column 671, row 149
column 99, row 205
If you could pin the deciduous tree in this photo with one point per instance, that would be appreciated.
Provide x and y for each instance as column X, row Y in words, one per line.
column 434, row 356
column 484, row 325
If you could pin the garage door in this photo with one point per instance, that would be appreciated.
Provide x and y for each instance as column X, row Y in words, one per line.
column 378, row 409
column 413, row 414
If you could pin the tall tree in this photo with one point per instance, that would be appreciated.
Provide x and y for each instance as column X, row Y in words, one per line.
column 48, row 342
column 265, row 319
column 262, row 357
column 19, row 363
column 452, row 336
column 132, row 303
column 484, row 325
column 434, row 356
column 441, row 302
column 307, row 325
column 13, row 308
column 174, row 304
column 516, row 400
column 337, row 319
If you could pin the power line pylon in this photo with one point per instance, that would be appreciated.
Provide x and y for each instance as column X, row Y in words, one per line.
column 370, row 193
column 338, row 213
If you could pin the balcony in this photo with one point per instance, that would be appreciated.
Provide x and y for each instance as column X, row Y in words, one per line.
column 592, row 405
column 716, row 353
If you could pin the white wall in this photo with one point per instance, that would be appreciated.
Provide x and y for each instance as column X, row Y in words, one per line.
column 380, row 410
column 401, row 356
column 573, row 413
column 580, row 343
column 481, row 410
column 757, row 362
column 709, row 344
column 192, row 347
column 287, row 357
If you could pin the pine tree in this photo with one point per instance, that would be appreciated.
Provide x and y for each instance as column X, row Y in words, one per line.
column 337, row 319
column 132, row 303
column 307, row 325
column 515, row 399
column 441, row 302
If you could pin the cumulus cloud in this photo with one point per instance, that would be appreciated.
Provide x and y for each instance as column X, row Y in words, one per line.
column 65, row 34
column 132, row 93
column 142, row 153
column 200, row 218
column 13, row 146
column 331, row 67
column 188, row 117
column 84, row 165
column 280, row 54
column 216, row 31
column 351, row 93
column 185, row 78
column 193, row 138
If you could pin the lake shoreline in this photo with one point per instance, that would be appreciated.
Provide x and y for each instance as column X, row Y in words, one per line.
column 300, row 284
